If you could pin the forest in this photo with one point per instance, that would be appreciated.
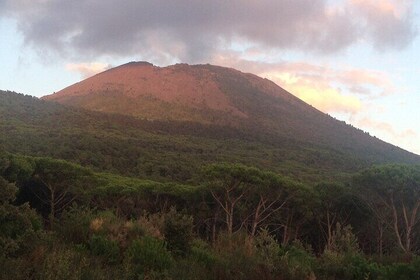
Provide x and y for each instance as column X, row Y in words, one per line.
column 87, row 195
column 63, row 221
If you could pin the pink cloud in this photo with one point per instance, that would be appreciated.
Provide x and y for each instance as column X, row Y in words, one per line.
column 317, row 93
column 394, row 8
column 363, row 77
column 87, row 70
column 331, row 90
column 387, row 128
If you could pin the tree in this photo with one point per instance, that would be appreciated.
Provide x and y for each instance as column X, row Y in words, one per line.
column 61, row 183
column 269, row 196
column 228, row 185
column 248, row 195
column 17, row 223
column 16, row 168
column 393, row 192
column 297, row 213
column 378, row 215
column 331, row 209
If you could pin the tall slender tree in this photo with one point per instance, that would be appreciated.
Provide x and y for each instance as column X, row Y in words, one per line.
column 393, row 191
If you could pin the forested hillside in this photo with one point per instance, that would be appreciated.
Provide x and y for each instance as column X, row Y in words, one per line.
column 91, row 195
column 220, row 96
column 172, row 150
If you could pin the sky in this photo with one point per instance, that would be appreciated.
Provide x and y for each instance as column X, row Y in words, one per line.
column 356, row 60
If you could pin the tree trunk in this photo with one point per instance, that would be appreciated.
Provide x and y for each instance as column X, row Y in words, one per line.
column 52, row 208
column 213, row 234
column 396, row 227
column 380, row 241
column 256, row 219
column 329, row 231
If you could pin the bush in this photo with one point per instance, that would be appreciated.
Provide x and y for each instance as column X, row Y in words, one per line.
column 201, row 263
column 101, row 246
column 344, row 240
column 238, row 258
column 358, row 267
column 344, row 259
column 152, row 225
column 146, row 255
column 123, row 232
column 295, row 262
column 202, row 253
column 334, row 265
column 403, row 271
column 178, row 231
column 63, row 263
column 267, row 249
column 16, row 269
column 19, row 225
column 75, row 223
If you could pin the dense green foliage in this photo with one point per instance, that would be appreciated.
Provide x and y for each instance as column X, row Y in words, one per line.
column 153, row 200
column 140, row 232
column 175, row 151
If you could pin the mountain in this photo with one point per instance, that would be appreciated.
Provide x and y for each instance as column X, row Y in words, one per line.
column 131, row 120
column 222, row 96
column 178, row 92
column 181, row 92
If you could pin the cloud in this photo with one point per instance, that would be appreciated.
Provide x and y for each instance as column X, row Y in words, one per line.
column 331, row 90
column 388, row 23
column 319, row 94
column 380, row 126
column 192, row 31
column 87, row 70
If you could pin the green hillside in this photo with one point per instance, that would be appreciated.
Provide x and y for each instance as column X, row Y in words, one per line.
column 175, row 150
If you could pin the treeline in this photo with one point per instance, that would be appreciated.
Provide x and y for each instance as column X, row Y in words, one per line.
column 62, row 221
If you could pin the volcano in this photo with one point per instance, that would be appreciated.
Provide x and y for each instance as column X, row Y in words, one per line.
column 214, row 95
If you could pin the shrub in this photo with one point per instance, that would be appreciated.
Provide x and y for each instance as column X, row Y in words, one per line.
column 101, row 246
column 344, row 259
column 358, row 267
column 19, row 225
column 403, row 271
column 146, row 255
column 152, row 225
column 123, row 232
column 335, row 265
column 344, row 240
column 202, row 253
column 178, row 231
column 295, row 262
column 267, row 248
column 238, row 258
column 63, row 263
column 75, row 224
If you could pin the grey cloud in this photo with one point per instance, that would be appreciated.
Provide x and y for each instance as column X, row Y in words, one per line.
column 386, row 29
column 390, row 33
column 193, row 30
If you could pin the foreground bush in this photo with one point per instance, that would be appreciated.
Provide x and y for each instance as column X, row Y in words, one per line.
column 146, row 256
column 296, row 262
column 178, row 231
